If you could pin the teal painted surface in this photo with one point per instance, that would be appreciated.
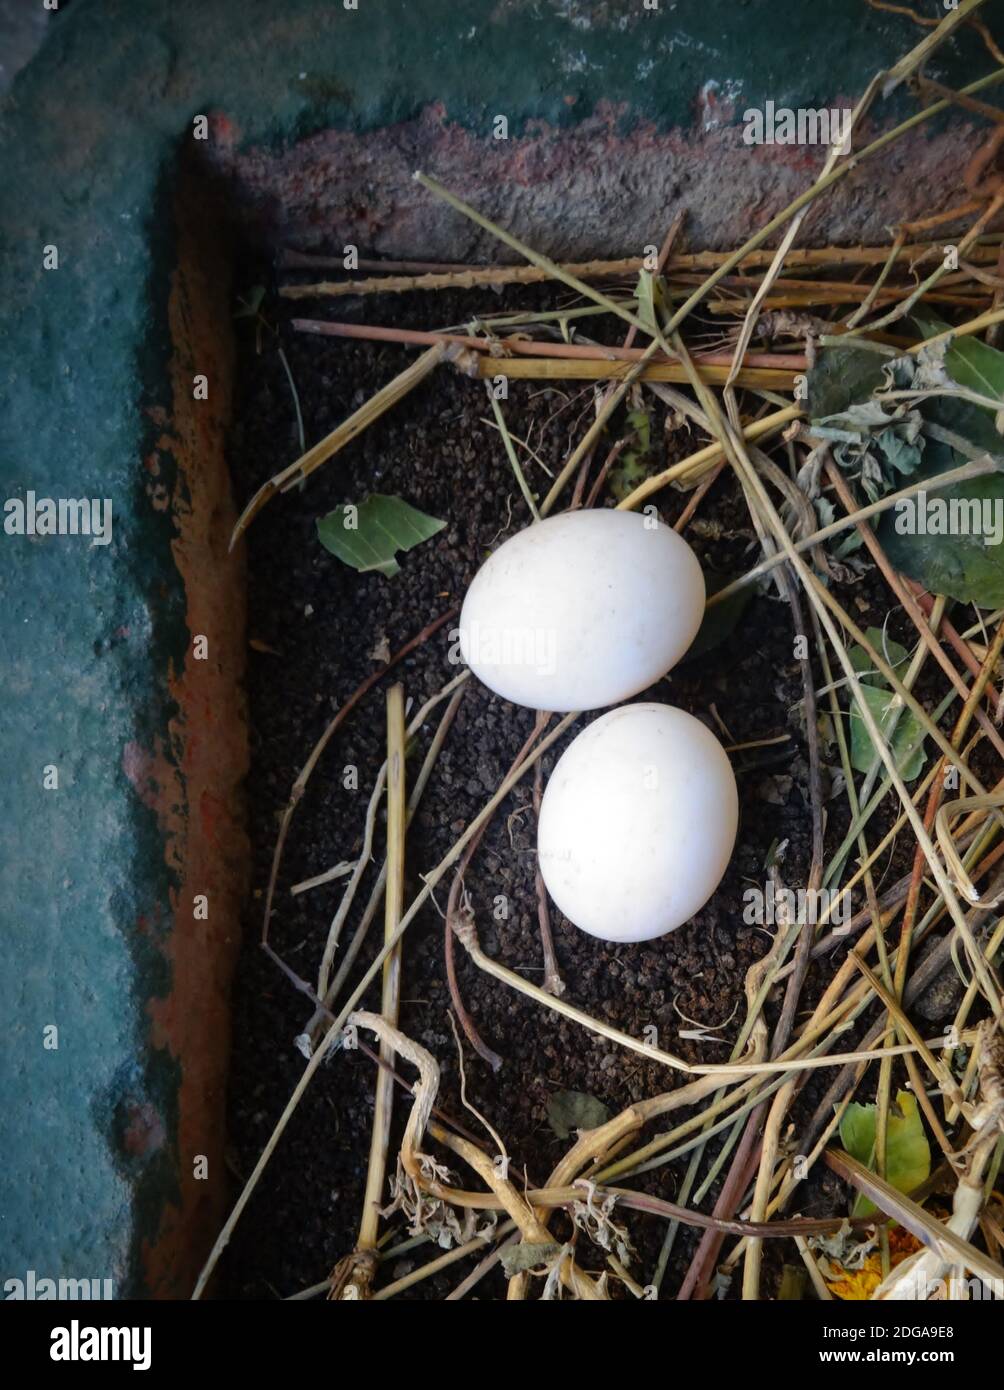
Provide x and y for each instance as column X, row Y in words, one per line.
column 90, row 133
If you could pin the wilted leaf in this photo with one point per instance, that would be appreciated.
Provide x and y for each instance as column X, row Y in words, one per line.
column 651, row 299
column 908, row 1153
column 517, row 1259
column 968, row 360
column 368, row 536
column 876, row 442
column 571, row 1110
column 857, row 1285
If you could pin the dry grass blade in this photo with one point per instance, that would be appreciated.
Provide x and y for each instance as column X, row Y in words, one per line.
column 358, row 1283
column 343, row 434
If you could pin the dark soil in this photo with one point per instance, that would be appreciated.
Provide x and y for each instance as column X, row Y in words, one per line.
column 314, row 627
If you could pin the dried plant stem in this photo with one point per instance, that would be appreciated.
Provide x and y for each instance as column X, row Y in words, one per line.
column 459, row 1252
column 962, row 1013
column 551, row 269
column 358, row 869
column 703, row 460
column 465, row 278
column 393, row 907
column 455, row 690
column 971, row 653
column 825, row 1120
column 335, row 1029
column 300, row 785
column 836, row 864
column 829, row 609
column 826, row 181
column 629, row 337
column 947, row 1247
column 455, row 913
column 556, row 368
column 553, row 983
column 779, row 1106
column 878, row 920
column 587, row 443
column 905, row 305
column 485, row 1266
column 759, row 978
column 518, row 1208
column 371, row 410
column 962, row 330
column 917, row 56
column 774, row 269
column 934, row 798
column 758, row 1209
column 422, row 275
column 654, row 1054
column 528, row 496
column 864, row 307
column 941, row 1073
column 903, row 594
column 520, row 346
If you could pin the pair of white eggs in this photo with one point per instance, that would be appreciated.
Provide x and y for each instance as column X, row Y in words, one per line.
column 639, row 817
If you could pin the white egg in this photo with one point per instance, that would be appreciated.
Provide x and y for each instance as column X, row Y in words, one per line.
column 583, row 610
column 637, row 823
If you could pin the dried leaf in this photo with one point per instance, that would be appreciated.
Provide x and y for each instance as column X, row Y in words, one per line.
column 858, row 1285
column 572, row 1110
column 517, row 1259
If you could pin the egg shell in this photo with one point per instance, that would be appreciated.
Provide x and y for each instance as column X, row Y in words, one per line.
column 582, row 610
column 637, row 823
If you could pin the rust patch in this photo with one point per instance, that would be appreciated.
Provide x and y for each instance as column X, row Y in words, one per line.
column 196, row 792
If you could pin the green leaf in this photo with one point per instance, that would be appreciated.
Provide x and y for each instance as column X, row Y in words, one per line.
column 635, row 464
column 857, row 1132
column 571, row 1110
column 968, row 360
column 908, row 1153
column 250, row 303
column 842, row 377
column 650, row 297
column 367, row 536
column 907, row 739
column 895, row 654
